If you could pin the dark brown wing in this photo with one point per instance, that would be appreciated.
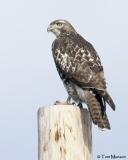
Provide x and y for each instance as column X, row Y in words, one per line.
column 78, row 61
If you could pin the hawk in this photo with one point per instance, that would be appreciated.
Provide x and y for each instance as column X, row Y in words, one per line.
column 81, row 71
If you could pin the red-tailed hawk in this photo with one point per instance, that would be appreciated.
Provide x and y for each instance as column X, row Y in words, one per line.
column 80, row 69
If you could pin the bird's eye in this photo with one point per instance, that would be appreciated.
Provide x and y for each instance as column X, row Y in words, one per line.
column 59, row 24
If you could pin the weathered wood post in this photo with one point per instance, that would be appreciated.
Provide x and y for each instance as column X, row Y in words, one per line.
column 64, row 133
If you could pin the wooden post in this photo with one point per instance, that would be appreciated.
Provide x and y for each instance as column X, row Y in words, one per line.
column 64, row 133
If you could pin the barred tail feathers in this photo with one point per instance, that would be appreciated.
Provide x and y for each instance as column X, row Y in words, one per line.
column 96, row 110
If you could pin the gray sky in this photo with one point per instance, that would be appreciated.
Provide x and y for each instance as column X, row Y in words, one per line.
column 28, row 77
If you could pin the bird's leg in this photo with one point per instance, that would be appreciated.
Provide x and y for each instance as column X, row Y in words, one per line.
column 67, row 102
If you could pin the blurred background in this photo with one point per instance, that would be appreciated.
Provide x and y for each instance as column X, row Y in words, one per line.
column 28, row 76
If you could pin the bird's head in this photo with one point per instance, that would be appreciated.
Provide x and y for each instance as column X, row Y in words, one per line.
column 59, row 27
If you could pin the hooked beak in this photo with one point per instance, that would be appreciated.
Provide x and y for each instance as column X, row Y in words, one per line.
column 49, row 28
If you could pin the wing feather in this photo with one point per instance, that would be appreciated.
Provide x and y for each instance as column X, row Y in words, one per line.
column 78, row 61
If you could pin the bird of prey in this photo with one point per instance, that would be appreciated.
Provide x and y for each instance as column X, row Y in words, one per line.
column 81, row 71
